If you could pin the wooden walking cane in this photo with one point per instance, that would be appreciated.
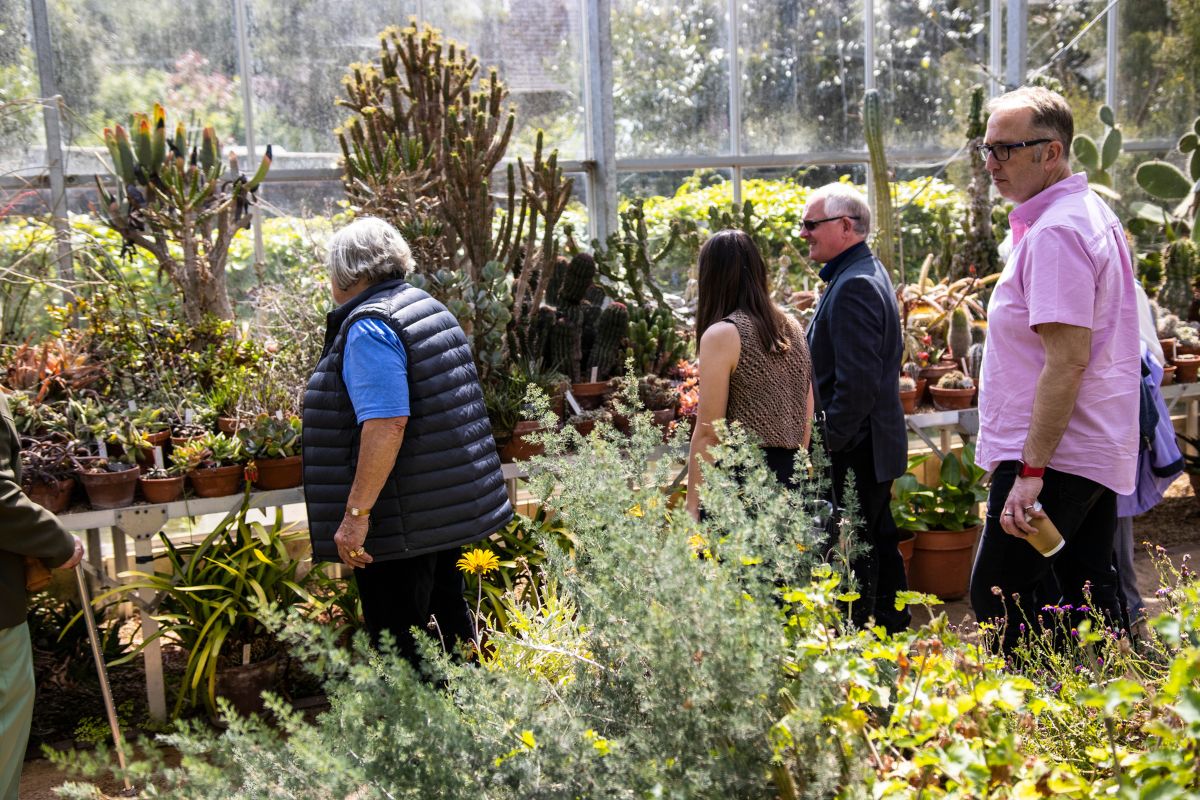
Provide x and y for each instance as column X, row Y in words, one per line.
column 102, row 673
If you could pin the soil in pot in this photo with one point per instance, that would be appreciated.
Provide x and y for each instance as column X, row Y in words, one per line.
column 941, row 562
column 277, row 473
column 161, row 490
column 110, row 489
column 951, row 399
column 217, row 481
column 592, row 394
column 54, row 497
column 518, row 447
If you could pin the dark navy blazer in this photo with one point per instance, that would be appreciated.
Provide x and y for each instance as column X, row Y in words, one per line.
column 856, row 349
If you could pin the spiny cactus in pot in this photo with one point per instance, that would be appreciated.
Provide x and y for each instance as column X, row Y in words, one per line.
column 955, row 380
column 883, row 212
column 175, row 199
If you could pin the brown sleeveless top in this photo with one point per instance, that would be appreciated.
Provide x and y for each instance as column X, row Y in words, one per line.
column 768, row 391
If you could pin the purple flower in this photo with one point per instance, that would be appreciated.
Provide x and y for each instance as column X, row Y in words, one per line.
column 1074, row 633
column 1021, row 627
column 1084, row 609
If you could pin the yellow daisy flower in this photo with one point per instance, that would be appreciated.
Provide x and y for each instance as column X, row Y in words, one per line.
column 479, row 562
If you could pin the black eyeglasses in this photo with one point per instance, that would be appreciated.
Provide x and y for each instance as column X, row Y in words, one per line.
column 1002, row 150
column 810, row 225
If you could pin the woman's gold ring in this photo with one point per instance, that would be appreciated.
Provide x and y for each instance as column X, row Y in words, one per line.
column 356, row 552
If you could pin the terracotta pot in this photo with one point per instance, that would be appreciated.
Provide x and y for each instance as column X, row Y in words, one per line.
column 110, row 489
column 663, row 416
column 908, row 400
column 1168, row 375
column 145, row 455
column 180, row 441
column 585, row 426
column 1168, row 347
column 217, row 481
column 1187, row 349
column 228, row 425
column 161, row 490
column 951, row 399
column 54, row 497
column 243, row 685
column 518, row 448
column 941, row 562
column 592, row 394
column 1186, row 367
column 905, row 546
column 932, row 374
column 622, row 423
column 277, row 473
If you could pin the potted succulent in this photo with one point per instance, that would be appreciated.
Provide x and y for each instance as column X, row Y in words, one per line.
column 155, row 427
column 908, row 394
column 946, row 521
column 585, row 421
column 272, row 445
column 214, row 464
column 48, row 471
column 1188, row 339
column 660, row 396
column 165, row 484
column 109, row 482
column 1186, row 367
column 213, row 602
column 953, row 391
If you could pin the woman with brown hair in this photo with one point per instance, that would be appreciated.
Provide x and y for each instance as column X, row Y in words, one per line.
column 755, row 367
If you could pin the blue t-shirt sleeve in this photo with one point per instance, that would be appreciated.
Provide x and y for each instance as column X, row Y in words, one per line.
column 375, row 369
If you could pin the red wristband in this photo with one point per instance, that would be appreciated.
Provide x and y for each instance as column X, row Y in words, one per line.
column 1027, row 471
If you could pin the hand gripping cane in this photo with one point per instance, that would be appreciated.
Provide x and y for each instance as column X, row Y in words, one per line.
column 101, row 672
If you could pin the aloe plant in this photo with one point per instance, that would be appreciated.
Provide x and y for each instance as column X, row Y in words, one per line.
column 175, row 198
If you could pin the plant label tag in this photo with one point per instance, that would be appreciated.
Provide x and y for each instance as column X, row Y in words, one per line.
column 573, row 403
column 187, row 416
column 245, row 654
column 595, row 370
column 102, row 449
column 158, row 459
column 133, row 405
column 279, row 413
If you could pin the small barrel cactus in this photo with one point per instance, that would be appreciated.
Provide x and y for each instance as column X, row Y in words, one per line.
column 955, row 380
column 907, row 384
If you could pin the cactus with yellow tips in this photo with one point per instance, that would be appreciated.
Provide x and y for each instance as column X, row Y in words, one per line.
column 185, row 212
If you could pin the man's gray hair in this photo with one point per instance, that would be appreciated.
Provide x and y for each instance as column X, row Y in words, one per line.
column 842, row 199
column 369, row 249
column 1049, row 112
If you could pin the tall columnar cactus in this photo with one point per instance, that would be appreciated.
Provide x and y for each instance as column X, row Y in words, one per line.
column 578, row 277
column 1099, row 159
column 1181, row 263
column 884, row 211
column 629, row 259
column 977, row 250
column 175, row 199
column 959, row 337
column 609, row 345
column 655, row 344
column 1168, row 183
column 566, row 349
column 975, row 362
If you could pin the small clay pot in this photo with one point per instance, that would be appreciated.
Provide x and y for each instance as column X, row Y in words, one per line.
column 277, row 473
column 145, row 455
column 585, row 426
column 217, row 481
column 1186, row 367
column 54, row 496
column 591, row 395
column 1168, row 376
column 908, row 400
column 518, row 448
column 228, row 425
column 110, row 489
column 1168, row 346
column 1187, row 349
column 951, row 399
column 932, row 374
column 908, row 540
column 941, row 562
column 161, row 490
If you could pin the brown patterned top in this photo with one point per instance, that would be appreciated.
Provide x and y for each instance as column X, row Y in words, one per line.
column 768, row 391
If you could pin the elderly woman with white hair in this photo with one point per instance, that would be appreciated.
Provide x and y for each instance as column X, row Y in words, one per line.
column 400, row 467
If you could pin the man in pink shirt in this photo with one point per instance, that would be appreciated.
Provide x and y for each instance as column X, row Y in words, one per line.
column 1058, row 397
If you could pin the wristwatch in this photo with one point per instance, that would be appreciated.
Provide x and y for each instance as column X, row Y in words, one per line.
column 358, row 512
column 1027, row 471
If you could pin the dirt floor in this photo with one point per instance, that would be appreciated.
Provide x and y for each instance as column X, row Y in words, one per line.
column 73, row 696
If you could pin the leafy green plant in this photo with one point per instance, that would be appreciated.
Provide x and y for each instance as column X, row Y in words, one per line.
column 215, row 597
column 952, row 505
column 270, row 437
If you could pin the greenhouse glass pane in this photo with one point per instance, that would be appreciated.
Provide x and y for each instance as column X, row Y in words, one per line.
column 537, row 49
column 670, row 77
column 929, row 55
column 802, row 75
column 113, row 57
column 1079, row 71
column 1158, row 84
column 22, row 135
column 298, row 60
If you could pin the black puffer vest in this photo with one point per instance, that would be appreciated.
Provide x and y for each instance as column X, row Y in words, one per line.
column 446, row 488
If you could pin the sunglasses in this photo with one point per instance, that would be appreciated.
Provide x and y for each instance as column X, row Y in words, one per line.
column 1002, row 151
column 810, row 225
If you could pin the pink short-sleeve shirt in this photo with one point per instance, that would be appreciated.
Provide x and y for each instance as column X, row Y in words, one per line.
column 1070, row 264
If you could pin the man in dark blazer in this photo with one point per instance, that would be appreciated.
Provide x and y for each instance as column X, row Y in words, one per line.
column 26, row 529
column 856, row 350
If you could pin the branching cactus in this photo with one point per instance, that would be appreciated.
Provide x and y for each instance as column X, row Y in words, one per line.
column 884, row 210
column 175, row 199
column 655, row 344
column 629, row 260
column 1099, row 159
